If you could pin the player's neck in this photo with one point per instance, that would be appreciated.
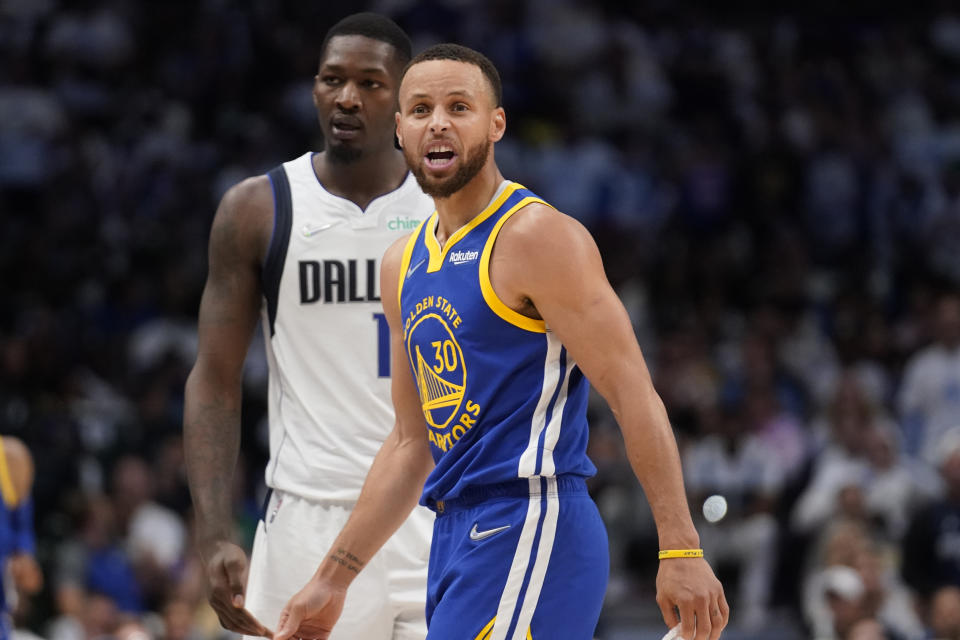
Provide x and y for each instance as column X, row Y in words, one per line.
column 363, row 180
column 467, row 203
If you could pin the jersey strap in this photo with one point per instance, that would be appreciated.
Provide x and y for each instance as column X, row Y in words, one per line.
column 277, row 252
column 6, row 482
column 486, row 287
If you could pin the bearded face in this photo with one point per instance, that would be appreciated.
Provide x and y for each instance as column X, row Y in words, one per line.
column 447, row 124
column 444, row 187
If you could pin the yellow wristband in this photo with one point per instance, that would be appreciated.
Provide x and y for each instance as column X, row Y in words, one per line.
column 681, row 553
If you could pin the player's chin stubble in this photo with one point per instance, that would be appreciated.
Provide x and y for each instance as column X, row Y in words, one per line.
column 343, row 154
column 476, row 158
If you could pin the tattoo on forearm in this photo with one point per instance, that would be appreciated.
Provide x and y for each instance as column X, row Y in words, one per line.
column 347, row 560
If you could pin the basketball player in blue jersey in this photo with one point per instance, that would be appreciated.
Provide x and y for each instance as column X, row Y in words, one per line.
column 17, row 544
column 299, row 249
column 500, row 314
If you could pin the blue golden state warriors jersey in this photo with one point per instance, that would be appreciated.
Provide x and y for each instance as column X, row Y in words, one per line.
column 502, row 398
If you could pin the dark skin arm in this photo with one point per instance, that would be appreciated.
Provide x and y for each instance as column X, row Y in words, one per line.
column 229, row 311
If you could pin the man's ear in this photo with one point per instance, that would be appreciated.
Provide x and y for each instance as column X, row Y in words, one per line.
column 397, row 140
column 498, row 124
column 313, row 92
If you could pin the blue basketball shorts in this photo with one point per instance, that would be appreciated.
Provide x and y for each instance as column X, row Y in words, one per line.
column 524, row 560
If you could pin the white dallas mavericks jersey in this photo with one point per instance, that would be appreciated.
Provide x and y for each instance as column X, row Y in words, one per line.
column 327, row 339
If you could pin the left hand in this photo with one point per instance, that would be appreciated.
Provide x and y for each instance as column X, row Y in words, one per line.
column 688, row 585
column 311, row 612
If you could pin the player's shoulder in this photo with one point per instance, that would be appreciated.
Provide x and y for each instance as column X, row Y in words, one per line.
column 244, row 219
column 539, row 225
column 251, row 196
column 16, row 451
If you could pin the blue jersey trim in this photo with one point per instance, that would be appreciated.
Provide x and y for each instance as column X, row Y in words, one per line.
column 279, row 240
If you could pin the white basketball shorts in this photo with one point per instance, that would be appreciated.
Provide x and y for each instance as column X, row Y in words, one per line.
column 385, row 601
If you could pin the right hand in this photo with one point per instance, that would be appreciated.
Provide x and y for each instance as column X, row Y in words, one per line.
column 226, row 568
column 689, row 587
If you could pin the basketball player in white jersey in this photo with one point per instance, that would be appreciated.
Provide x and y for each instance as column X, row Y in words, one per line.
column 300, row 248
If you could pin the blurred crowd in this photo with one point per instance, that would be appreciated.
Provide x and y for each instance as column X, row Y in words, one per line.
column 776, row 195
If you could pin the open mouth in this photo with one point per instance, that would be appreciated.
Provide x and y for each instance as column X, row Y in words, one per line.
column 440, row 156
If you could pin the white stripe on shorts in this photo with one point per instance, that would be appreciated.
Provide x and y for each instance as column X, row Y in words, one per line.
column 521, row 560
column 544, row 550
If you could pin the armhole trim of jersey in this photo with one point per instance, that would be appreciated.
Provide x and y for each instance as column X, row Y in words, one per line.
column 279, row 240
column 6, row 482
column 407, row 254
column 486, row 287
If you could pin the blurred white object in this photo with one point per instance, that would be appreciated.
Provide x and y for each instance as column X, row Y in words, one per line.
column 842, row 581
column 673, row 634
column 714, row 508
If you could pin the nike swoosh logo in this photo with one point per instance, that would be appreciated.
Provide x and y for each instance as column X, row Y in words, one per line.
column 482, row 535
column 310, row 230
column 415, row 267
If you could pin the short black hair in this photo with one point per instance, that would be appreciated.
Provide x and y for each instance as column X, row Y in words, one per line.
column 460, row 53
column 374, row 26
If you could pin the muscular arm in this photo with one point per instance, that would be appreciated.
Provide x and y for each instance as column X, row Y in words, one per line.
column 390, row 492
column 570, row 292
column 211, row 430
column 546, row 263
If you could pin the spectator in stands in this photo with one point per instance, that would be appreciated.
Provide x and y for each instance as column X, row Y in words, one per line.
column 861, row 454
column 842, row 593
column 931, row 547
column 868, row 629
column 94, row 566
column 929, row 397
column 945, row 614
column 886, row 597
column 895, row 486
column 154, row 536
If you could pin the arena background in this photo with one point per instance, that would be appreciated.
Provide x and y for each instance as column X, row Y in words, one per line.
column 776, row 195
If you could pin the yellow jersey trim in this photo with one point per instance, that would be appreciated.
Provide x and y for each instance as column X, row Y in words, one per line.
column 405, row 260
column 438, row 255
column 6, row 482
column 489, row 295
column 488, row 630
